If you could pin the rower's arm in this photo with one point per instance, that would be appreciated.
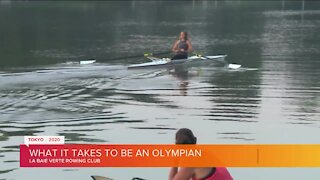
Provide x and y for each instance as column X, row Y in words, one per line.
column 190, row 49
column 182, row 174
column 173, row 172
column 175, row 47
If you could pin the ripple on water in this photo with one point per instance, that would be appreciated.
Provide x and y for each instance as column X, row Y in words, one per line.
column 242, row 136
column 7, row 170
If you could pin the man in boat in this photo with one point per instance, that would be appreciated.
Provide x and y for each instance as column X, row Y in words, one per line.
column 182, row 47
column 185, row 136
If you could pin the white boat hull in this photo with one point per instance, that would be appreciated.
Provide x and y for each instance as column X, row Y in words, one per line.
column 192, row 60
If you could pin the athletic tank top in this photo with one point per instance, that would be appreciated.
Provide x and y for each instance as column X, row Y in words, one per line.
column 221, row 173
column 183, row 45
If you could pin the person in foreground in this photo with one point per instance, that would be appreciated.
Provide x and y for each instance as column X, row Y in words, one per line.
column 182, row 47
column 185, row 136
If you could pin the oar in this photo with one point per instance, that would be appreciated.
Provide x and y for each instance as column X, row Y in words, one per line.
column 231, row 66
column 92, row 60
column 136, row 56
column 106, row 178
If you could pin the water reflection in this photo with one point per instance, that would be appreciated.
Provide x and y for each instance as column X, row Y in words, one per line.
column 182, row 74
column 299, row 84
column 238, row 96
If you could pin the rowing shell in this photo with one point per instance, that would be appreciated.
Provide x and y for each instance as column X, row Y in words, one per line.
column 168, row 62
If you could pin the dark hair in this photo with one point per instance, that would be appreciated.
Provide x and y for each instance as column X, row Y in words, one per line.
column 185, row 136
column 185, row 35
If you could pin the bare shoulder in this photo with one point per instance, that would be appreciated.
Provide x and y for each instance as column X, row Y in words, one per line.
column 175, row 45
column 203, row 172
column 187, row 169
column 184, row 173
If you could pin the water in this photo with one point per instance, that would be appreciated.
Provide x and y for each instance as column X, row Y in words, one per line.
column 44, row 90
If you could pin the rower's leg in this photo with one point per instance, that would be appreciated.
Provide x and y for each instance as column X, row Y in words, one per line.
column 180, row 56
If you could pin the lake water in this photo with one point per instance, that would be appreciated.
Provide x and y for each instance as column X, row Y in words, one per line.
column 274, row 98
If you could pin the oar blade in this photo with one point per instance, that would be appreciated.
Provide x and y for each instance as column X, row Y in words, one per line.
column 234, row 66
column 88, row 61
column 100, row 178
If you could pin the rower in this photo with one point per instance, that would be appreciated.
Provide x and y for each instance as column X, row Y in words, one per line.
column 185, row 136
column 182, row 47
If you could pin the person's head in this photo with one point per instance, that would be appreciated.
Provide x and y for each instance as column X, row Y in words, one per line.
column 185, row 136
column 184, row 36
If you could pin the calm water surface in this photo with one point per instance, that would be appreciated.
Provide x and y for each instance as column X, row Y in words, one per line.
column 273, row 98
